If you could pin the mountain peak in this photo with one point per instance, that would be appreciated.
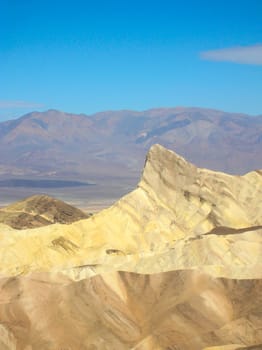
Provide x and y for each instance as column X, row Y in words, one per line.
column 159, row 152
column 189, row 241
column 117, row 142
column 191, row 191
column 165, row 167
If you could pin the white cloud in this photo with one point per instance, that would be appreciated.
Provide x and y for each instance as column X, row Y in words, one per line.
column 4, row 104
column 240, row 54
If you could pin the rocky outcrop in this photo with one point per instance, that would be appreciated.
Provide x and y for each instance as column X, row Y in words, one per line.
column 176, row 207
column 39, row 210
column 190, row 243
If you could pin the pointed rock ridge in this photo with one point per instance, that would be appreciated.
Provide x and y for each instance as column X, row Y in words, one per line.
column 201, row 199
column 164, row 167
column 179, row 217
column 192, row 289
column 39, row 210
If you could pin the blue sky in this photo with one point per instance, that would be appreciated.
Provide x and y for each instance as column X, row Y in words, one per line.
column 88, row 56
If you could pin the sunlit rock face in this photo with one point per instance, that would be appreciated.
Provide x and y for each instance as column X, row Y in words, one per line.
column 190, row 243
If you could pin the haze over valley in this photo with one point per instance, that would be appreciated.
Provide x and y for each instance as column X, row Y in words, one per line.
column 92, row 160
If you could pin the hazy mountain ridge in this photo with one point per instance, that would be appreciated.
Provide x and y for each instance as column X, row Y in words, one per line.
column 114, row 143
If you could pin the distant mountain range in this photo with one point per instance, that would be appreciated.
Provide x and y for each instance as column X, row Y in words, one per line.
column 112, row 145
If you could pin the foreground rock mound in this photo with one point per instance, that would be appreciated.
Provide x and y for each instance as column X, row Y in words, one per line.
column 39, row 210
column 186, row 310
column 190, row 243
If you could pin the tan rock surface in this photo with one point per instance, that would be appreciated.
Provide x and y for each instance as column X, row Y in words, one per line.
column 185, row 310
column 175, row 205
column 194, row 239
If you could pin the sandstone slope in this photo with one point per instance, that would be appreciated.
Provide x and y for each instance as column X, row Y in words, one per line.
column 177, row 209
column 180, row 310
column 190, row 243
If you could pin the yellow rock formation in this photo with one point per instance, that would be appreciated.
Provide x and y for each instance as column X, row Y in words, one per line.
column 175, row 207
column 190, row 243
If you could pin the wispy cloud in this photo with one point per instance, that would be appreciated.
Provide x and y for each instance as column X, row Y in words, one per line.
column 4, row 104
column 240, row 54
